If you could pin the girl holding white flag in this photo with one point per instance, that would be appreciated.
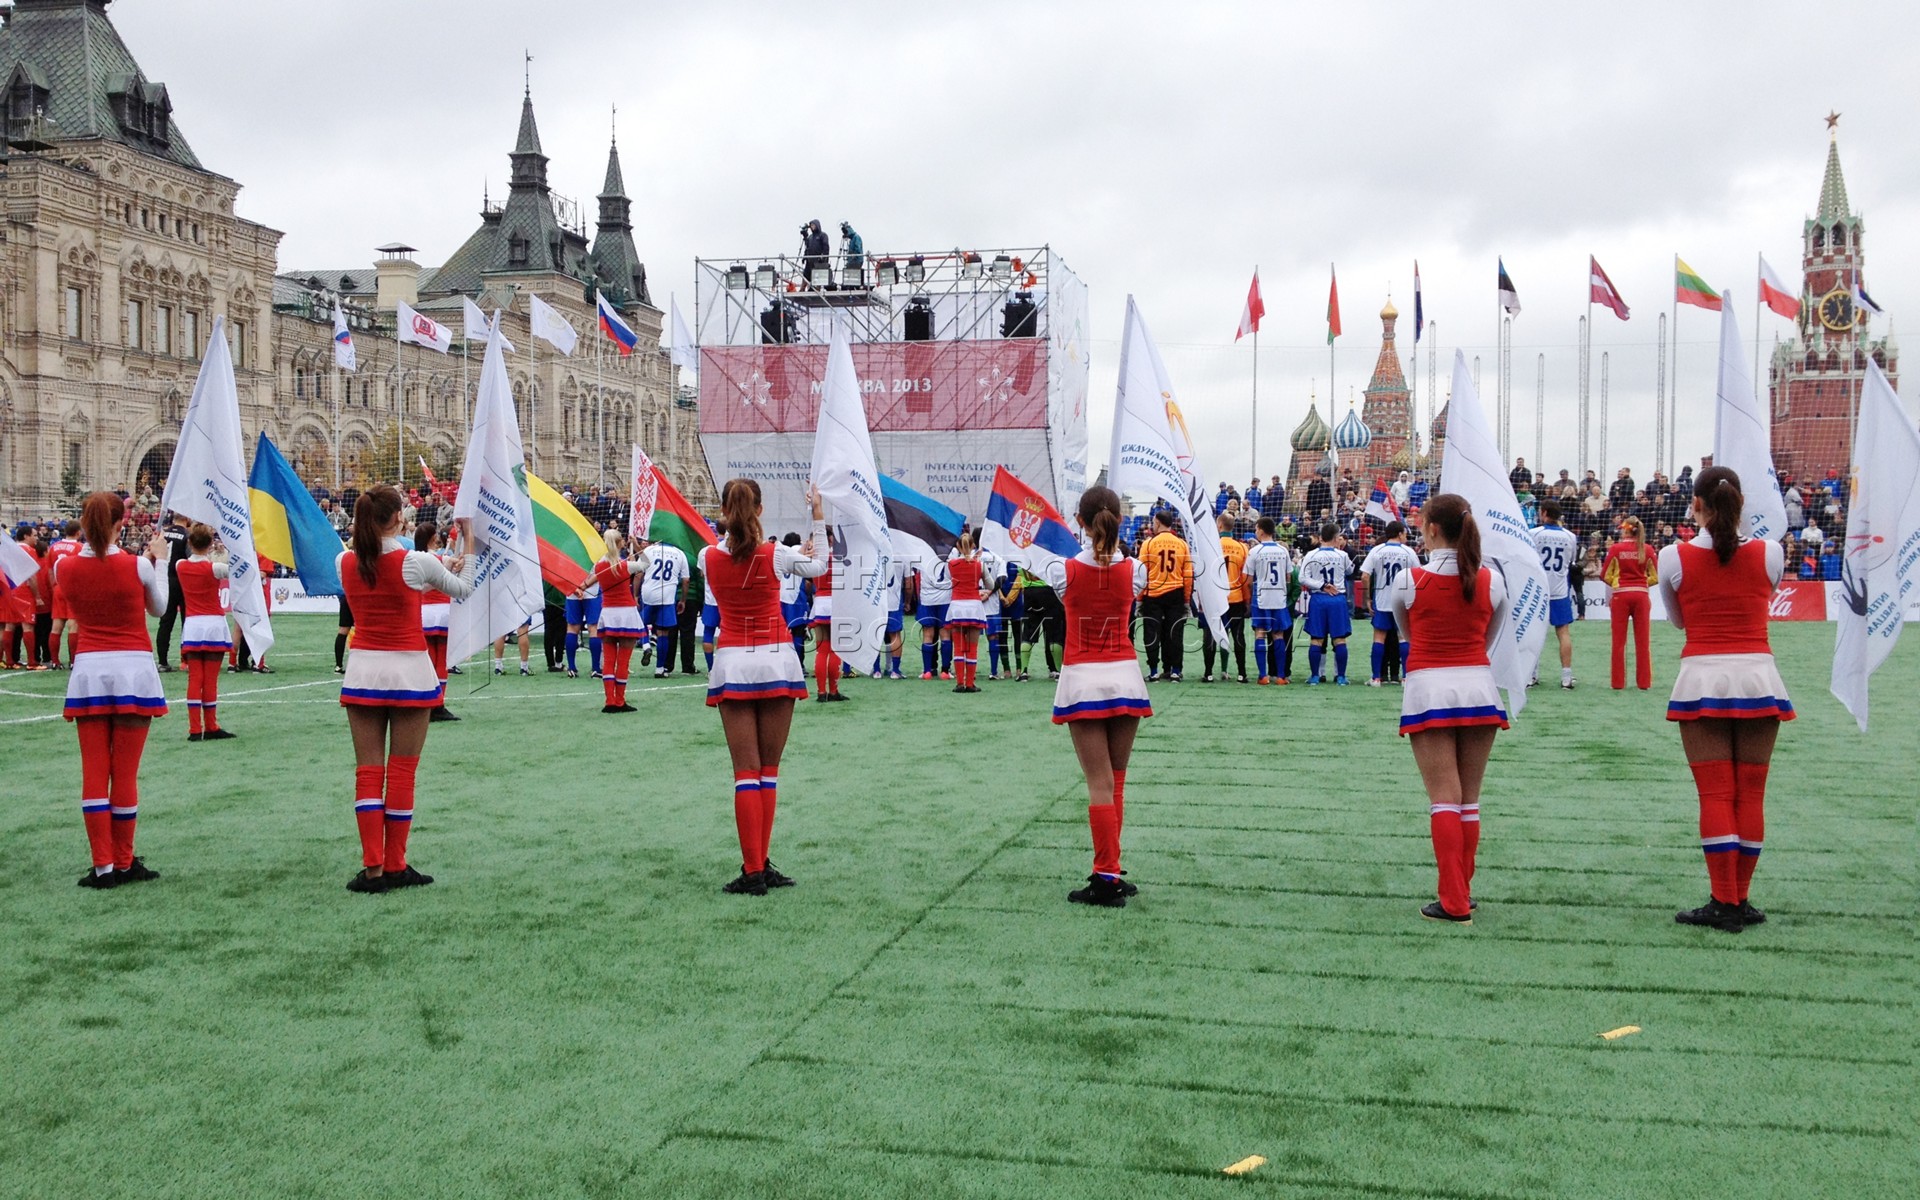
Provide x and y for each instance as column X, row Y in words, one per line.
column 1450, row 612
column 114, row 691
column 756, row 674
column 1728, row 696
column 1101, row 696
column 390, row 685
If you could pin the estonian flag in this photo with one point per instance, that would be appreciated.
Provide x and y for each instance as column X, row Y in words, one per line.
column 1509, row 299
column 925, row 531
column 288, row 526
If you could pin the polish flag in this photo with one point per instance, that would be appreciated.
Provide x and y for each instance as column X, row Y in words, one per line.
column 1775, row 295
column 1603, row 291
column 1256, row 308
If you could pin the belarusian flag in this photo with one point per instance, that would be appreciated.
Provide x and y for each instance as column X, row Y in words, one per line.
column 1333, row 307
column 676, row 522
column 569, row 544
column 1689, row 288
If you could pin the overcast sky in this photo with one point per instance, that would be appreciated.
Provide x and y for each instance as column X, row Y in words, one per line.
column 1161, row 149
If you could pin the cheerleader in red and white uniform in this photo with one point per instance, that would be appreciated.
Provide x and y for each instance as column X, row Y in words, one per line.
column 826, row 662
column 1728, row 696
column 114, row 692
column 436, row 609
column 1101, row 696
column 620, row 625
column 1449, row 613
column 967, row 612
column 204, row 639
column 390, row 685
column 756, row 674
column 67, row 545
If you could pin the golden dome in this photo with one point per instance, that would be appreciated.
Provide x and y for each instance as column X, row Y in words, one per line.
column 1389, row 312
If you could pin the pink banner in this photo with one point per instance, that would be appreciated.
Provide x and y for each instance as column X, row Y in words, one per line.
column 908, row 386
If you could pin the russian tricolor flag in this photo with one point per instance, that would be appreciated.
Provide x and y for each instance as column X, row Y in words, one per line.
column 621, row 334
column 1022, row 527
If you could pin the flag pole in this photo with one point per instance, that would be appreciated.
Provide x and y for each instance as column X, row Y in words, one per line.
column 400, row 407
column 1586, row 386
column 1660, row 399
column 1673, row 406
column 1758, row 259
column 600, row 390
column 533, row 388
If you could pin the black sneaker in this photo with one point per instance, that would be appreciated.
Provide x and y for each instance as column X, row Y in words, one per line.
column 609, row 708
column 823, row 697
column 1433, row 912
column 136, row 872
column 1126, row 889
column 367, row 884
column 1102, row 891
column 339, row 670
column 776, row 878
column 196, row 737
column 406, row 877
column 92, row 880
column 625, row 708
column 1714, row 914
column 216, row 735
column 440, row 714
column 837, row 697
column 749, row 884
column 263, row 670
column 164, row 667
column 1749, row 915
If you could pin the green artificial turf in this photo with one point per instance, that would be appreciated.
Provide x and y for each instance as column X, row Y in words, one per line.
column 575, row 1009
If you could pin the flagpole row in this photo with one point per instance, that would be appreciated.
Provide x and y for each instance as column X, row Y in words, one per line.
column 1673, row 408
column 1660, row 400
column 1586, row 376
column 1540, row 416
column 1603, row 414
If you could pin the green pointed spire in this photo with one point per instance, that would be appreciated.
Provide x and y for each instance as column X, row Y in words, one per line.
column 1833, row 187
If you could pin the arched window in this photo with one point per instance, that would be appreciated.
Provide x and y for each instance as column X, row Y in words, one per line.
column 1819, row 238
column 1839, row 236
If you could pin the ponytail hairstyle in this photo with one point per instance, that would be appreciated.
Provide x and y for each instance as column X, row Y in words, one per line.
column 740, row 513
column 101, row 514
column 1717, row 491
column 424, row 534
column 1100, row 517
column 966, row 542
column 611, row 536
column 1634, row 528
column 199, row 538
column 376, row 507
column 1453, row 517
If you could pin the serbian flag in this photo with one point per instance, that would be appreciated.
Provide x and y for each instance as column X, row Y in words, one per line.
column 1603, row 291
column 1021, row 527
column 618, row 331
column 1775, row 295
column 1333, row 306
column 1689, row 288
column 1380, row 505
column 1255, row 309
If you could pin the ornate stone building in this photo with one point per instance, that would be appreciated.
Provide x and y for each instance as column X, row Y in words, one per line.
column 1814, row 379
column 119, row 248
column 1388, row 411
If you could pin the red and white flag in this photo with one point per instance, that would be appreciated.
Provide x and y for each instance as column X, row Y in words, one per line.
column 1775, row 295
column 1255, row 309
column 644, row 492
column 421, row 329
column 1603, row 291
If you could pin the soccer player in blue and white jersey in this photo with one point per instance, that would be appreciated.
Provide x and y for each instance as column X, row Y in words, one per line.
column 1323, row 576
column 1558, row 549
column 1267, row 569
column 889, row 663
column 1382, row 566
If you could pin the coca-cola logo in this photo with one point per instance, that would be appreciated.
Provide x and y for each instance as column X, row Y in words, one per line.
column 1799, row 600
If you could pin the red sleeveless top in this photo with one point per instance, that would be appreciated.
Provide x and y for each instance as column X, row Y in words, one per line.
column 1724, row 605
column 748, row 596
column 1098, row 601
column 1633, row 562
column 616, row 584
column 200, row 589
column 107, row 599
column 1447, row 629
column 386, row 613
column 965, row 573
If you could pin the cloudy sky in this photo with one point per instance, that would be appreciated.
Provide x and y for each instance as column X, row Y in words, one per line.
column 1162, row 149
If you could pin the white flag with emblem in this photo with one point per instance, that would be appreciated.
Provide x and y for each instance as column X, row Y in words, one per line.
column 849, row 483
column 1742, row 436
column 421, row 329
column 548, row 325
column 478, row 328
column 1882, row 564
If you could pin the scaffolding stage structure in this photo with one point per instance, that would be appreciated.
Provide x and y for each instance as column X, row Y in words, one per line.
column 968, row 360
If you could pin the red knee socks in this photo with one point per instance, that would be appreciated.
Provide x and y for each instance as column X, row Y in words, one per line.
column 123, row 788
column 1469, row 843
column 750, row 819
column 1749, row 820
column 401, row 770
column 1120, row 799
column 1449, row 855
column 437, row 653
column 826, row 669
column 194, row 677
column 96, row 767
column 1719, row 836
column 1104, row 819
column 369, row 813
column 622, row 660
column 769, row 796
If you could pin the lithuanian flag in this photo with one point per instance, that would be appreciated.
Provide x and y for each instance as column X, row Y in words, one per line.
column 676, row 522
column 1689, row 288
column 569, row 544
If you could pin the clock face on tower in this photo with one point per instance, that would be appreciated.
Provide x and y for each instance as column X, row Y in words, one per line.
column 1836, row 310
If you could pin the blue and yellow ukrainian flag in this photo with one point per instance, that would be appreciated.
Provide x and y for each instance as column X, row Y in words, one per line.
column 288, row 526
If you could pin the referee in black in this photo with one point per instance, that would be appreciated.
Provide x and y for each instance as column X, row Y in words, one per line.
column 176, row 535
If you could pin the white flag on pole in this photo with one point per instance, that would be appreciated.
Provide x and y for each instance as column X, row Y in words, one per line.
column 644, row 492
column 1473, row 469
column 478, row 328
column 16, row 565
column 343, row 355
column 1882, row 564
column 493, row 491
column 547, row 324
column 208, row 483
column 421, row 329
column 849, row 483
column 1743, row 435
column 682, row 350
column 1153, row 453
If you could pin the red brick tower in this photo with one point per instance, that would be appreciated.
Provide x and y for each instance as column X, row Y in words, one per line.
column 1388, row 410
column 1815, row 378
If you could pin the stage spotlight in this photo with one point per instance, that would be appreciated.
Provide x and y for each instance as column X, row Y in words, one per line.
column 765, row 277
column 1002, row 267
column 970, row 266
column 819, row 278
column 918, row 320
column 886, row 273
column 1019, row 319
column 853, row 277
column 916, row 269
column 776, row 325
column 736, row 278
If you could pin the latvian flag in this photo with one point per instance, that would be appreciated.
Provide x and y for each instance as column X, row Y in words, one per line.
column 1601, row 289
column 618, row 331
column 1380, row 505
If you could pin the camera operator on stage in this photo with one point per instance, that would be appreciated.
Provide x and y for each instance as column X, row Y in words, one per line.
column 813, row 248
column 853, row 251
